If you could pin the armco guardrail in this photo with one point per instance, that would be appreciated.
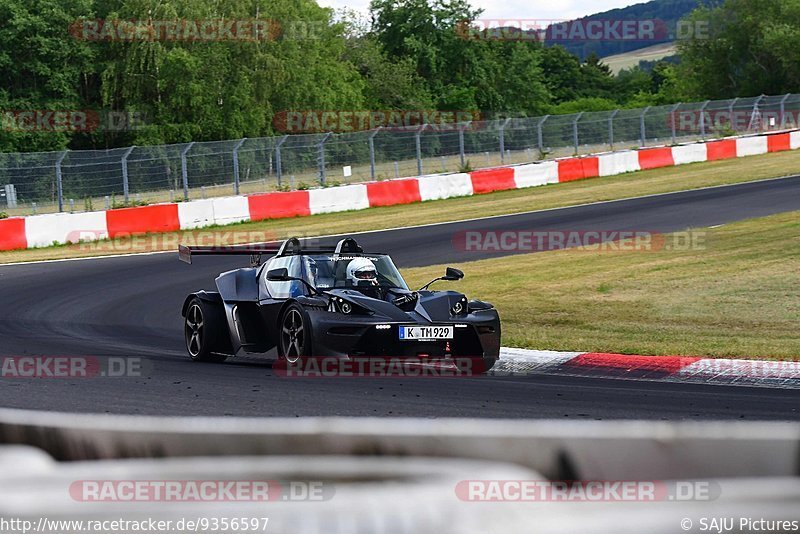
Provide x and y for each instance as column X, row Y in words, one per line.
column 402, row 475
column 45, row 230
column 556, row 449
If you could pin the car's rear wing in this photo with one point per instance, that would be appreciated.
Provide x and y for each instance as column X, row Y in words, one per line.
column 291, row 247
column 185, row 253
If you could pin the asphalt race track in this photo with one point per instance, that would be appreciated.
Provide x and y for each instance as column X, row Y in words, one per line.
column 129, row 308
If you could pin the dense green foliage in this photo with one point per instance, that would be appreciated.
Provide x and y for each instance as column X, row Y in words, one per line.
column 750, row 48
column 409, row 55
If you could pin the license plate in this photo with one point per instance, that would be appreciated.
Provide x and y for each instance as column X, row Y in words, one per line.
column 426, row 333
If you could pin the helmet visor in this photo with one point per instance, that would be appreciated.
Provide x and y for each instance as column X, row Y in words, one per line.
column 365, row 274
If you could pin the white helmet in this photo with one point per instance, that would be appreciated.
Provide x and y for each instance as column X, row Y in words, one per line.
column 361, row 271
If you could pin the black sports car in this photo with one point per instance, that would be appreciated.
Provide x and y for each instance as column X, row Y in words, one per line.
column 334, row 303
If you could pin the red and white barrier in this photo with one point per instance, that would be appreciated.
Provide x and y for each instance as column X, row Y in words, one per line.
column 722, row 149
column 333, row 199
column 491, row 180
column 618, row 162
column 198, row 214
column 654, row 158
column 694, row 153
column 281, row 205
column 392, row 192
column 535, row 174
column 12, row 234
column 142, row 220
column 440, row 186
column 794, row 140
column 779, row 142
column 229, row 210
column 45, row 230
column 572, row 169
column 751, row 146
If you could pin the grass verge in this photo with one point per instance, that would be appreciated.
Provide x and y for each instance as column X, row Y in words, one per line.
column 656, row 181
column 739, row 297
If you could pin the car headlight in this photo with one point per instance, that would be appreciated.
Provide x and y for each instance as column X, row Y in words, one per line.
column 339, row 305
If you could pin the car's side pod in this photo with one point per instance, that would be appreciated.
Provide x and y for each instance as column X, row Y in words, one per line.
column 208, row 296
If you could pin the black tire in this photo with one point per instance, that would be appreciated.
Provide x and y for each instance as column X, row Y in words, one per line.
column 206, row 332
column 294, row 335
column 488, row 363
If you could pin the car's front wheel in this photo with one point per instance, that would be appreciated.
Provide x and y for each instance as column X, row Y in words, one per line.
column 206, row 332
column 295, row 335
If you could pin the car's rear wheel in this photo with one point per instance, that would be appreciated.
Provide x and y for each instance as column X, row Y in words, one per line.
column 295, row 335
column 206, row 332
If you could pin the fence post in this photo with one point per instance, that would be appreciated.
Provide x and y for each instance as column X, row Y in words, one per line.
column 278, row 160
column 575, row 131
column 611, row 129
column 783, row 109
column 539, row 136
column 673, row 120
column 755, row 111
column 461, row 149
column 59, row 181
column 730, row 112
column 185, row 171
column 236, row 165
column 418, row 142
column 321, row 157
column 372, row 151
column 642, row 129
column 503, row 140
column 703, row 119
column 125, row 187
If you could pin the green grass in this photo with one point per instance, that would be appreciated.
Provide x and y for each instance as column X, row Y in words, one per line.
column 739, row 297
column 552, row 196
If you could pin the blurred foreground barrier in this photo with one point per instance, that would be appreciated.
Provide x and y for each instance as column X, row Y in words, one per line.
column 396, row 475
column 557, row 449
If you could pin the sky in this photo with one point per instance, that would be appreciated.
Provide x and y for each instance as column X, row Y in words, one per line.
column 518, row 9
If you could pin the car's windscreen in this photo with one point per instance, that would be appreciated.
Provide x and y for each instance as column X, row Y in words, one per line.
column 330, row 272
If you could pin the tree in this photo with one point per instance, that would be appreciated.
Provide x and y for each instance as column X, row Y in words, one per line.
column 387, row 84
column 41, row 67
column 196, row 91
column 464, row 69
column 742, row 48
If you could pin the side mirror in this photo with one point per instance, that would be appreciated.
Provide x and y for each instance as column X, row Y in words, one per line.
column 278, row 275
column 452, row 274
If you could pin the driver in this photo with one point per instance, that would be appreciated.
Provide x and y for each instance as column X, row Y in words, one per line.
column 362, row 275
